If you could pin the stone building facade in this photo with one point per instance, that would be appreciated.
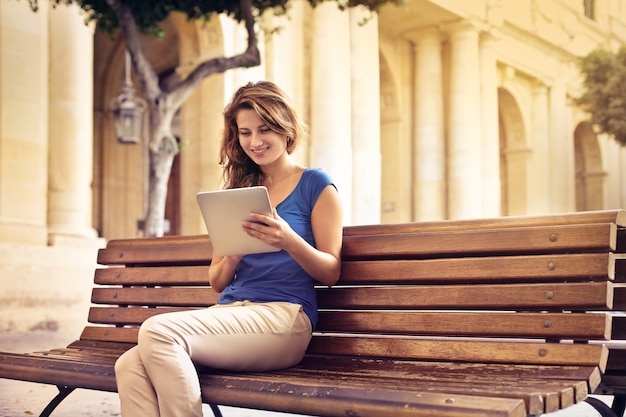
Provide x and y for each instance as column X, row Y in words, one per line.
column 433, row 110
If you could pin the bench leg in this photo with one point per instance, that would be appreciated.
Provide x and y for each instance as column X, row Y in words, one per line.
column 63, row 393
column 216, row 410
column 601, row 407
column 619, row 404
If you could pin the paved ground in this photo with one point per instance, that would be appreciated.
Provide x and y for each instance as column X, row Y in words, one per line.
column 18, row 399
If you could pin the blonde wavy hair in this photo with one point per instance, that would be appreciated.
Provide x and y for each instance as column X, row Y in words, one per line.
column 277, row 112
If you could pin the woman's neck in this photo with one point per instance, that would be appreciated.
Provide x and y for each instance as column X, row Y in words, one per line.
column 280, row 171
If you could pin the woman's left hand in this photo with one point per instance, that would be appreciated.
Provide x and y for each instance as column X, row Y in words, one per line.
column 271, row 230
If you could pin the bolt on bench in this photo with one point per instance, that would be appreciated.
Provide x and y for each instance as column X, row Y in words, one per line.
column 511, row 316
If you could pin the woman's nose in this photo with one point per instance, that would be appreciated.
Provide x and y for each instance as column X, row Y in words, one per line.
column 255, row 139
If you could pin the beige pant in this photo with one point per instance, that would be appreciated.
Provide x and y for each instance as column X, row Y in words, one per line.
column 157, row 378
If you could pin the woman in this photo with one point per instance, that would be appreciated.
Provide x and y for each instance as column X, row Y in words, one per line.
column 267, row 308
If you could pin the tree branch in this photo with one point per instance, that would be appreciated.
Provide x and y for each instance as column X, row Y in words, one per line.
column 250, row 58
column 147, row 77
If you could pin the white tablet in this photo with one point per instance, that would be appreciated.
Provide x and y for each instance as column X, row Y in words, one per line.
column 224, row 211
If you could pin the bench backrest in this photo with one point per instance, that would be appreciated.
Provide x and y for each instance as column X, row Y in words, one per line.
column 515, row 290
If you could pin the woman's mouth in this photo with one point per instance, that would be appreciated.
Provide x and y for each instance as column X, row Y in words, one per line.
column 259, row 151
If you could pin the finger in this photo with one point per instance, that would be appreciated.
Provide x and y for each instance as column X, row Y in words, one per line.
column 254, row 226
column 265, row 239
column 259, row 220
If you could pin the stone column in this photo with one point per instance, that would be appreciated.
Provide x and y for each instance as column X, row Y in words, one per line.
column 366, row 157
column 287, row 60
column 23, row 124
column 492, row 200
column 331, row 102
column 70, row 126
column 539, row 193
column 561, row 176
column 465, row 192
column 429, row 159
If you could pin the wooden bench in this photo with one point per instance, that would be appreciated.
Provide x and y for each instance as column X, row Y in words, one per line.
column 510, row 316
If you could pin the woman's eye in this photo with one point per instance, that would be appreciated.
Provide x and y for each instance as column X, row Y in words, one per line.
column 265, row 130
column 244, row 133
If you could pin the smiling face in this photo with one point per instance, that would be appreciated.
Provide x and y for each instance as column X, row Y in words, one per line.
column 262, row 145
column 261, row 130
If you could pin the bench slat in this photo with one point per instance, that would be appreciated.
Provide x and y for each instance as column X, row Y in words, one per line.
column 585, row 217
column 197, row 250
column 553, row 239
column 125, row 315
column 58, row 371
column 110, row 334
column 165, row 296
column 482, row 269
column 593, row 295
column 538, row 325
column 99, row 345
column 588, row 295
column 175, row 275
column 528, row 240
column 462, row 350
column 534, row 325
column 104, row 358
column 183, row 240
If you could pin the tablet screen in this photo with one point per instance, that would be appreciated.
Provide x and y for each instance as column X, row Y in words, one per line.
column 223, row 212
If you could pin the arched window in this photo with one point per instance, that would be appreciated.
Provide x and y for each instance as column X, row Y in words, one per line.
column 590, row 9
column 589, row 174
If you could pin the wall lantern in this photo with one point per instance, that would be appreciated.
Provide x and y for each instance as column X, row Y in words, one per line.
column 128, row 110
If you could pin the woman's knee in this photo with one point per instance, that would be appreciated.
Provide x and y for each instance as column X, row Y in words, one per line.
column 155, row 328
column 126, row 362
column 158, row 333
column 146, row 329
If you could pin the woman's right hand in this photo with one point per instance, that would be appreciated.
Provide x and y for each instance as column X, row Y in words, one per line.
column 222, row 271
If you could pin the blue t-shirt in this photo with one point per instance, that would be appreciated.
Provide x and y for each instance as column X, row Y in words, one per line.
column 276, row 276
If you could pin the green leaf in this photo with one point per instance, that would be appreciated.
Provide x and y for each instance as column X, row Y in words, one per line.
column 604, row 91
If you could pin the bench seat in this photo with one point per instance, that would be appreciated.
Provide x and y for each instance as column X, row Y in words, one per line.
column 541, row 389
column 513, row 316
